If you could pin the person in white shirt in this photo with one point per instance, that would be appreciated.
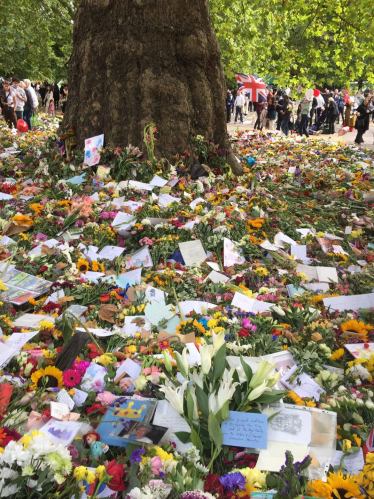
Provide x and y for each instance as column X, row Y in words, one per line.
column 239, row 104
column 21, row 97
column 320, row 106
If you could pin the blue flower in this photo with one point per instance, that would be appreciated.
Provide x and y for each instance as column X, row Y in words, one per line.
column 233, row 481
column 203, row 322
column 136, row 456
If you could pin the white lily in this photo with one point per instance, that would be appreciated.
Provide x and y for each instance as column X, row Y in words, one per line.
column 258, row 391
column 218, row 341
column 225, row 392
column 262, row 373
column 273, row 380
column 182, row 359
column 195, row 412
column 175, row 396
column 206, row 352
column 197, row 378
column 278, row 311
column 268, row 410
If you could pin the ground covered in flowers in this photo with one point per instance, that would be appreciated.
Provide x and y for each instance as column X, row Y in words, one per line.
column 169, row 336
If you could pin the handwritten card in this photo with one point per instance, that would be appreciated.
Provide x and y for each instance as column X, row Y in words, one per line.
column 193, row 253
column 168, row 417
column 32, row 321
column 358, row 350
column 166, row 199
column 351, row 302
column 111, row 252
column 17, row 340
column 92, row 150
column 58, row 411
column 244, row 429
column 64, row 398
column 353, row 463
column 141, row 258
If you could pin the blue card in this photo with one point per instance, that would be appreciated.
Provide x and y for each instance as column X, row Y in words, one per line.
column 77, row 180
column 292, row 290
column 124, row 409
column 245, row 429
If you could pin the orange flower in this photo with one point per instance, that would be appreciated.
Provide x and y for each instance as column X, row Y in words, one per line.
column 23, row 220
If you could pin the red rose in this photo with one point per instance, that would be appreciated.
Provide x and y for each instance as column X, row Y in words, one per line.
column 96, row 407
column 43, row 269
column 244, row 332
column 117, row 472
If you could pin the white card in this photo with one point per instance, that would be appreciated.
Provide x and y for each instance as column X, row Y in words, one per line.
column 354, row 463
column 7, row 352
column 123, row 221
column 158, row 181
column 79, row 397
column 141, row 258
column 216, row 277
column 351, row 302
column 111, row 252
column 17, row 340
column 61, row 432
column 54, row 297
column 141, row 185
column 250, row 305
column 5, row 241
column 167, row 416
column 51, row 243
column 273, row 458
column 291, row 425
column 299, row 251
column 166, row 199
column 194, row 203
column 303, row 385
column 131, row 368
column 32, row 320
column 232, row 254
column 193, row 253
column 214, row 266
column 281, row 238
column 58, row 410
column 64, row 398
column 154, row 294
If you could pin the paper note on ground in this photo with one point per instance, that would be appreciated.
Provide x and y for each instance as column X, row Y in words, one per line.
column 249, row 304
column 303, row 385
column 111, row 252
column 193, row 253
column 353, row 463
column 168, row 417
column 319, row 273
column 158, row 181
column 351, row 302
column 245, row 430
column 17, row 340
column 216, row 277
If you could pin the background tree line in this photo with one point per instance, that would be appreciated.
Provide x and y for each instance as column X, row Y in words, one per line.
column 290, row 41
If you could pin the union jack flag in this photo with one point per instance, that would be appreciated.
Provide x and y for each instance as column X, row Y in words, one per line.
column 61, row 146
column 369, row 444
column 253, row 86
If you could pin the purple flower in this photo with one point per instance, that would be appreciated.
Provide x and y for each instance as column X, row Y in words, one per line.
column 195, row 494
column 104, row 214
column 233, row 481
column 136, row 456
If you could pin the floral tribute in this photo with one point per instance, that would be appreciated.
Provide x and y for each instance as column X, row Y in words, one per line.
column 167, row 336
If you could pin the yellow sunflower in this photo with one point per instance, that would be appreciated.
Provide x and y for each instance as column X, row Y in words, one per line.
column 53, row 374
column 83, row 265
column 318, row 488
column 343, row 486
column 357, row 327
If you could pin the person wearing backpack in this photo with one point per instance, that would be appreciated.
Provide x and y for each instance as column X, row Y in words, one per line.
column 332, row 114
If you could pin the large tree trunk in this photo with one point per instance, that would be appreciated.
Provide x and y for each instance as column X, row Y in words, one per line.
column 137, row 62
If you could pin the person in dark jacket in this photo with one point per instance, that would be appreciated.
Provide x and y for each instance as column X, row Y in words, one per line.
column 362, row 121
column 229, row 103
column 278, row 108
column 332, row 114
column 340, row 104
column 56, row 94
column 258, row 109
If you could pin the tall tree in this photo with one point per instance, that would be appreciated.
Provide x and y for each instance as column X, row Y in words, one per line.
column 137, row 62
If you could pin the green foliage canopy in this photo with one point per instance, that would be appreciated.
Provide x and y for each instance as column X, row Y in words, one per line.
column 291, row 41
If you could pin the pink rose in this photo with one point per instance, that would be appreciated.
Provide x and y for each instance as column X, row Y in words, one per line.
column 105, row 398
column 156, row 465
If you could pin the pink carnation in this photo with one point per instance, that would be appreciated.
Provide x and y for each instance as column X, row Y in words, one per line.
column 105, row 398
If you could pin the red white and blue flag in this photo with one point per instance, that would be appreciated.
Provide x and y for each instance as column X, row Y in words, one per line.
column 369, row 444
column 254, row 87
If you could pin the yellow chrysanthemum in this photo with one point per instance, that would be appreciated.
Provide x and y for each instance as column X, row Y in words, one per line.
column 337, row 354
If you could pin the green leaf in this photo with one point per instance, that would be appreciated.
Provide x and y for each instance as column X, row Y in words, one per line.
column 270, row 397
column 183, row 436
column 203, row 402
column 190, row 406
column 215, row 432
column 195, row 439
column 219, row 363
column 247, row 369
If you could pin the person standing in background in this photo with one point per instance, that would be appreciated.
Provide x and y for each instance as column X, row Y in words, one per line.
column 21, row 97
column 228, row 106
column 9, row 104
column 271, row 113
column 305, row 108
column 65, row 98
column 49, row 98
column 362, row 121
column 56, row 95
column 239, row 104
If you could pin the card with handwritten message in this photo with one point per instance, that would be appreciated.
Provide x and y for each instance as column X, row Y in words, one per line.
column 245, row 429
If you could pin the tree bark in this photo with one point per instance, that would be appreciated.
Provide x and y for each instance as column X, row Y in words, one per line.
column 137, row 62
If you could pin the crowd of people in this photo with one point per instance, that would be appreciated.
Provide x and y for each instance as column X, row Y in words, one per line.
column 311, row 115
column 20, row 98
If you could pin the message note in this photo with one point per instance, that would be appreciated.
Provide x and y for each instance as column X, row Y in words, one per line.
column 303, row 385
column 129, row 367
column 111, row 252
column 17, row 340
column 217, row 277
column 193, row 253
column 232, row 254
column 245, row 430
column 351, row 302
column 353, row 463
